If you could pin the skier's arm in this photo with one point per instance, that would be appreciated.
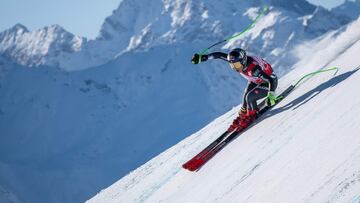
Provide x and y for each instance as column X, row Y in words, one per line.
column 215, row 55
column 218, row 55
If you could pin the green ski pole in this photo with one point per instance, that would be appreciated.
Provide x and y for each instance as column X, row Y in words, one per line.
column 315, row 73
column 263, row 11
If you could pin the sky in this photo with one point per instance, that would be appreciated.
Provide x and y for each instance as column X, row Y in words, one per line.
column 80, row 17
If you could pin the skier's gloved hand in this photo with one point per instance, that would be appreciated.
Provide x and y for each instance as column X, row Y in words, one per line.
column 272, row 98
column 199, row 58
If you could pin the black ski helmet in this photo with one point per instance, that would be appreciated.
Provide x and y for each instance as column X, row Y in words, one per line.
column 237, row 55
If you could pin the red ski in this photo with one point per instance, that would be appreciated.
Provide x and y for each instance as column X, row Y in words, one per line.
column 206, row 154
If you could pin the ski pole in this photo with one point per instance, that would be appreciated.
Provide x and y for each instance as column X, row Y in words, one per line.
column 292, row 87
column 264, row 10
column 315, row 73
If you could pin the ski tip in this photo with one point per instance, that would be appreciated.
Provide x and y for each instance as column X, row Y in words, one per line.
column 193, row 165
column 189, row 168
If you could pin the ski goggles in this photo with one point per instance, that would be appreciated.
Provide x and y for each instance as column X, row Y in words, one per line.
column 237, row 66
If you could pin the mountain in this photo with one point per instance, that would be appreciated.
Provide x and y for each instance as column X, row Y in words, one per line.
column 349, row 8
column 68, row 130
column 280, row 31
column 301, row 151
column 40, row 47
column 133, row 26
column 7, row 197
column 301, row 7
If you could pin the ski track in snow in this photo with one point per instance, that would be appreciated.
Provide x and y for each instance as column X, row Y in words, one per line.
column 239, row 181
column 352, row 180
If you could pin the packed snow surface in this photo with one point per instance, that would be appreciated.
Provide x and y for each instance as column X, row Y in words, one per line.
column 306, row 149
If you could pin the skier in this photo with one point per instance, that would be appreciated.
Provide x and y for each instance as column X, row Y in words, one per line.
column 262, row 82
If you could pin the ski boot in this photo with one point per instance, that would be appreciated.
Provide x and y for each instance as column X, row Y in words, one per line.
column 237, row 121
column 247, row 120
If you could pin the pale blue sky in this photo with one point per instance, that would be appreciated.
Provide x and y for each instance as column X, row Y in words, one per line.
column 81, row 17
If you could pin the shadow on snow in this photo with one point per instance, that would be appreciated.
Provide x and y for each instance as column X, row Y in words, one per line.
column 298, row 102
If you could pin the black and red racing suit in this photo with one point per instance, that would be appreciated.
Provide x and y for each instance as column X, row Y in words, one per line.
column 259, row 75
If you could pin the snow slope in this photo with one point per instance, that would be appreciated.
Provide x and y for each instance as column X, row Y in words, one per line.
column 67, row 134
column 307, row 149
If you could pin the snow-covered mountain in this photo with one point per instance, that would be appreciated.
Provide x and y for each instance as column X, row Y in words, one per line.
column 136, row 25
column 67, row 134
column 306, row 149
column 350, row 8
column 40, row 47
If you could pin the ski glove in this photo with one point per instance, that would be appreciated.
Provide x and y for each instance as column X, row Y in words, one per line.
column 199, row 58
column 271, row 98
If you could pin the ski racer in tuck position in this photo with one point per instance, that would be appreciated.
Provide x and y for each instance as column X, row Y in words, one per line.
column 262, row 82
